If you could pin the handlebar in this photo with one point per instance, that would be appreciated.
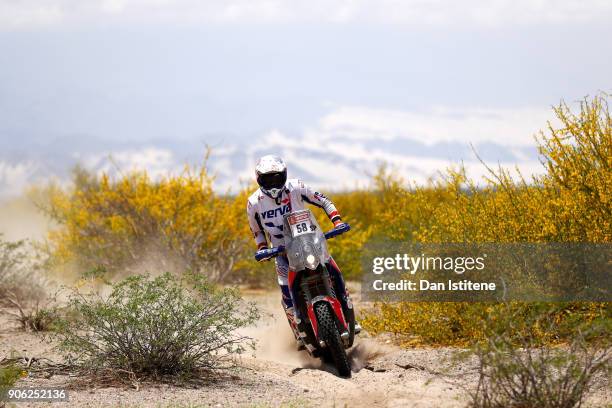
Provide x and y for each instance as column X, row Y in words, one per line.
column 269, row 253
column 337, row 231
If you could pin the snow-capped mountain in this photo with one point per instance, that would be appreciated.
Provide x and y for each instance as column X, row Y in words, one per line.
column 335, row 165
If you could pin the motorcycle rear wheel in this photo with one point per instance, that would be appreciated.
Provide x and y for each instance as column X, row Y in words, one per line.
column 329, row 333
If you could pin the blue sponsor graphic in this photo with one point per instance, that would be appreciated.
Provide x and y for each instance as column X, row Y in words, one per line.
column 276, row 212
column 271, row 224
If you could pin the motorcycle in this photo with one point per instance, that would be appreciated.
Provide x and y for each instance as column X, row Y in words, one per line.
column 323, row 323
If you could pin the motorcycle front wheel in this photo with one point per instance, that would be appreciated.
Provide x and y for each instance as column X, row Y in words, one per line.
column 328, row 332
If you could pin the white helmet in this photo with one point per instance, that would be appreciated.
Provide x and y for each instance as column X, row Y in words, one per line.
column 271, row 174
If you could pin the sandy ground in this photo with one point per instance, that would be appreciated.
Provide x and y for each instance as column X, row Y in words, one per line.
column 277, row 375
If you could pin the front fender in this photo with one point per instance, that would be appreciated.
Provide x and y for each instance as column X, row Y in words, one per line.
column 336, row 307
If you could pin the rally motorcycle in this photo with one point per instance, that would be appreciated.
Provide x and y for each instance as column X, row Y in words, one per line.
column 324, row 322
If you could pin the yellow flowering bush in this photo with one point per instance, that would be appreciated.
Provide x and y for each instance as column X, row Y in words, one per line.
column 134, row 223
column 570, row 202
column 180, row 223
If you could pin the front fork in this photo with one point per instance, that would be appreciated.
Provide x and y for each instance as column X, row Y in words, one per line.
column 345, row 300
column 338, row 280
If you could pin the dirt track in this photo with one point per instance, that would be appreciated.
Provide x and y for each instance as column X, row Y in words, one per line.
column 385, row 376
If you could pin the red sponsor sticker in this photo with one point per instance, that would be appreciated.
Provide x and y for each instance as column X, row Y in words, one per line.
column 294, row 219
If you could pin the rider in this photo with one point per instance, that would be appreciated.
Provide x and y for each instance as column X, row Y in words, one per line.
column 276, row 197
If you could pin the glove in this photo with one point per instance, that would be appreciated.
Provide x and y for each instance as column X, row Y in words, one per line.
column 338, row 222
column 263, row 254
column 266, row 254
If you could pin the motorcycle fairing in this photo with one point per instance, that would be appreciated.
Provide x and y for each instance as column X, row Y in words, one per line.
column 298, row 247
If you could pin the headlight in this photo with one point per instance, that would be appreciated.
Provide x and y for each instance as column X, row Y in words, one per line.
column 311, row 261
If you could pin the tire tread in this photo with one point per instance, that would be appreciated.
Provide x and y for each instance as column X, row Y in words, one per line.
column 329, row 333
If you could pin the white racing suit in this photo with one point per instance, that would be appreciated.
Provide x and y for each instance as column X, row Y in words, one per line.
column 266, row 221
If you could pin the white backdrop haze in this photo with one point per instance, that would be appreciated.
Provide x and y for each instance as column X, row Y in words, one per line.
column 336, row 87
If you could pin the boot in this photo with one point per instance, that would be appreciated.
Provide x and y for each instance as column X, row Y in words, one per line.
column 290, row 313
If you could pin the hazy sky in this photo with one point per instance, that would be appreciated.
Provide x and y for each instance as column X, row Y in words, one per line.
column 81, row 78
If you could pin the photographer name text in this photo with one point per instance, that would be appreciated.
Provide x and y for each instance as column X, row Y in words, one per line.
column 425, row 285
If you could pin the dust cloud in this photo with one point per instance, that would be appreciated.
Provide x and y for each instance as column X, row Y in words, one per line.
column 20, row 219
column 365, row 351
column 275, row 341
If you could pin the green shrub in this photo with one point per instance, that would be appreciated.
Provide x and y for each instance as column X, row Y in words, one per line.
column 20, row 276
column 8, row 377
column 36, row 318
column 516, row 371
column 22, row 286
column 155, row 327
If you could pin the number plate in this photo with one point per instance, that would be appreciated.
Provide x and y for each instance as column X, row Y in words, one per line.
column 300, row 224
